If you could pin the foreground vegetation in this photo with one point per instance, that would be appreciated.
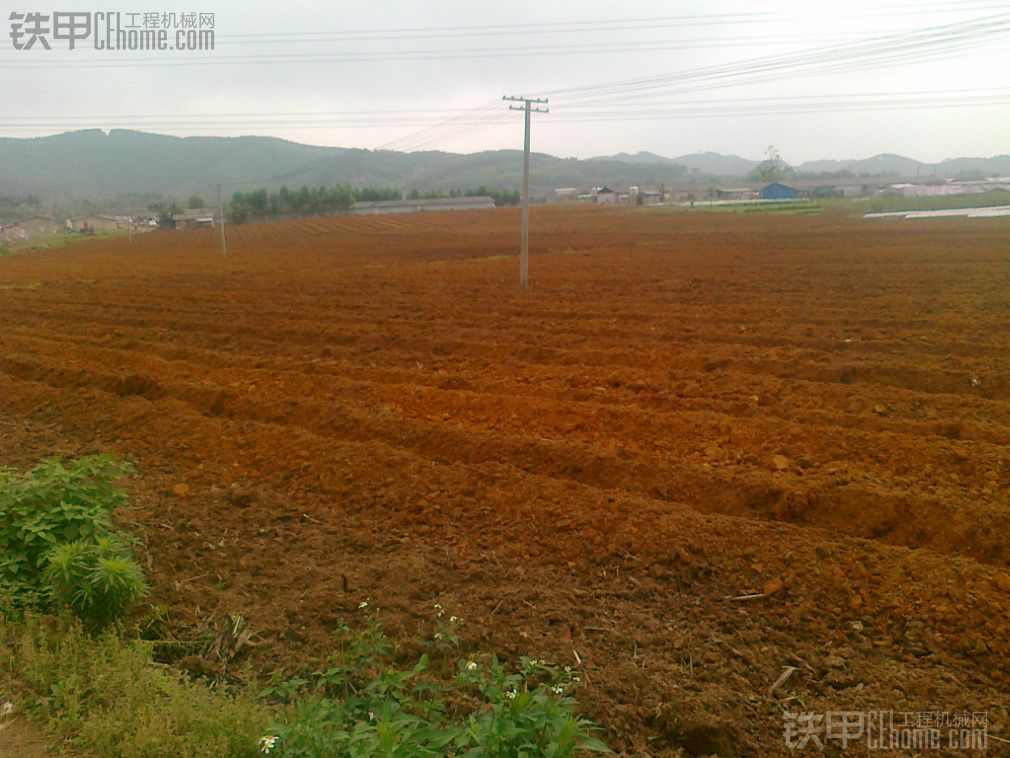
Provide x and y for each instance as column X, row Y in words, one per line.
column 71, row 660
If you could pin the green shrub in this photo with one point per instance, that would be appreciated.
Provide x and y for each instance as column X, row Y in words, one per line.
column 58, row 547
column 96, row 580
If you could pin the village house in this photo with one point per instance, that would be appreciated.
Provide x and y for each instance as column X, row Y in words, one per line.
column 196, row 218
column 778, row 191
column 97, row 224
column 604, row 196
column 29, row 228
column 734, row 193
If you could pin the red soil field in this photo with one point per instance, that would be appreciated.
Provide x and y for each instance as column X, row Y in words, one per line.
column 684, row 409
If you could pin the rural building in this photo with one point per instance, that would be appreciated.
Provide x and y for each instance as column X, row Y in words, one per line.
column 828, row 190
column 146, row 219
column 778, row 191
column 604, row 196
column 734, row 193
column 97, row 224
column 29, row 228
column 380, row 207
column 193, row 219
column 566, row 194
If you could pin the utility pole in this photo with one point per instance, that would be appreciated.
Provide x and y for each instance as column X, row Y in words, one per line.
column 220, row 210
column 524, row 249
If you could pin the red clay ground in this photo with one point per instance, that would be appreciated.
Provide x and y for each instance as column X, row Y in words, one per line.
column 684, row 408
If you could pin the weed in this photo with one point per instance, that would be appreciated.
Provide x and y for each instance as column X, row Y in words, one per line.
column 360, row 703
column 95, row 579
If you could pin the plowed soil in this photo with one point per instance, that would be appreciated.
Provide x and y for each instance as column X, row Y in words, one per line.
column 685, row 409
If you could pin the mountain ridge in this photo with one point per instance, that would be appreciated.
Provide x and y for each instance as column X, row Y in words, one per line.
column 99, row 164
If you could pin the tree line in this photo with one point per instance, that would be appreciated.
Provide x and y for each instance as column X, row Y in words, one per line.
column 20, row 206
column 262, row 204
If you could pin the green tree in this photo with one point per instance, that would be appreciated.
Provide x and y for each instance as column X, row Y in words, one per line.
column 772, row 168
column 195, row 201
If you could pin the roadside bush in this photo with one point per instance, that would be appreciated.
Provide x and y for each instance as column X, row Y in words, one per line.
column 58, row 547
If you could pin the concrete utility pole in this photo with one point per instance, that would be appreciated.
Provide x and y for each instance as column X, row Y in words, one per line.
column 524, row 250
column 220, row 210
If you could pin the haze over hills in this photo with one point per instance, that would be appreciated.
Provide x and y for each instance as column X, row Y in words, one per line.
column 885, row 164
column 98, row 165
column 708, row 163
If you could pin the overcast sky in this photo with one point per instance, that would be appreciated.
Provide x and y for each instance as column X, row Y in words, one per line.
column 332, row 73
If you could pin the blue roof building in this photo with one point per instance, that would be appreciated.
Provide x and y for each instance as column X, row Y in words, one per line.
column 777, row 191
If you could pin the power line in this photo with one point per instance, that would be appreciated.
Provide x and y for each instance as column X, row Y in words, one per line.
column 594, row 49
column 247, row 115
column 633, row 95
column 579, row 117
column 471, row 31
column 403, row 143
column 932, row 43
column 598, row 25
column 915, row 43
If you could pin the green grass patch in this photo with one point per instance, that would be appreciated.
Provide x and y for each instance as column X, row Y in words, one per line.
column 941, row 203
column 105, row 696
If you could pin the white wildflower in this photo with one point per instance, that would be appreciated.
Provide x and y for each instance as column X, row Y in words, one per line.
column 362, row 605
column 267, row 743
column 471, row 665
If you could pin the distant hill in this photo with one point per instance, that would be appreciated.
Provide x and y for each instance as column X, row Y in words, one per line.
column 710, row 164
column 92, row 163
column 998, row 164
column 96, row 164
column 887, row 164
column 884, row 164
column 104, row 165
